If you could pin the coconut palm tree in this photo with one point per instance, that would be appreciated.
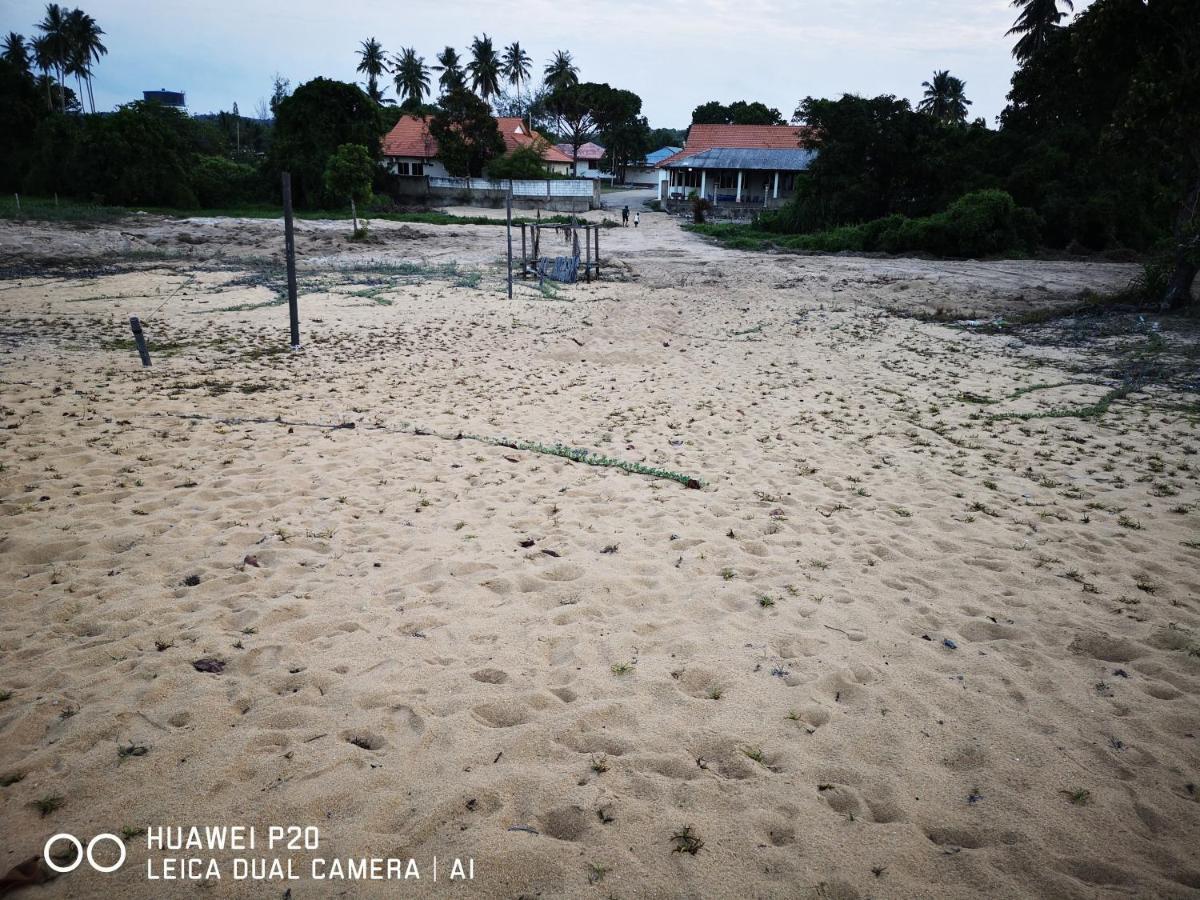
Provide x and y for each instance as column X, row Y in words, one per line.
column 484, row 67
column 516, row 66
column 16, row 52
column 450, row 67
column 85, row 48
column 412, row 76
column 43, row 58
column 945, row 99
column 1036, row 22
column 372, row 61
column 54, row 28
column 561, row 71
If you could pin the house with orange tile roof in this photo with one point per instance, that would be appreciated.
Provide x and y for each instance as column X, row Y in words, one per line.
column 587, row 159
column 410, row 150
column 737, row 166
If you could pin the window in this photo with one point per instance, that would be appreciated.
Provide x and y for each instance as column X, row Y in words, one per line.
column 681, row 178
column 787, row 181
column 404, row 167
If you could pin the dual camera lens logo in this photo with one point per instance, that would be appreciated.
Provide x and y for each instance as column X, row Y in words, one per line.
column 79, row 852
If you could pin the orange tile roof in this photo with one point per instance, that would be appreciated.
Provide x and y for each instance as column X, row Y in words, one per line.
column 757, row 137
column 516, row 134
column 410, row 137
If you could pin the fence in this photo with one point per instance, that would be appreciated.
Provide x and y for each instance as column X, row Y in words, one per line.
column 584, row 188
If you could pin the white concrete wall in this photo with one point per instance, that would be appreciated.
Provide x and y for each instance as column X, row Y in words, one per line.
column 553, row 187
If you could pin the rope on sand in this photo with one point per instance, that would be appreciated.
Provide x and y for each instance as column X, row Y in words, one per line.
column 571, row 454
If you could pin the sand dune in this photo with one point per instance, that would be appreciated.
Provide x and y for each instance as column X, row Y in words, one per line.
column 897, row 645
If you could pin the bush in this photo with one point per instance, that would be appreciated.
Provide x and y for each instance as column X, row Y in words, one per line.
column 218, row 181
column 521, row 163
column 982, row 223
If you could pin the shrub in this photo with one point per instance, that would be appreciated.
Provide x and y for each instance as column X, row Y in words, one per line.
column 218, row 181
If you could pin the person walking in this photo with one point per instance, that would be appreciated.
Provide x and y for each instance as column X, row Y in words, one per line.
column 625, row 216
column 637, row 217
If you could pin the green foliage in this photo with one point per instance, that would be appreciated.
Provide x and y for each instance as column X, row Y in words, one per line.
column 737, row 113
column 349, row 172
column 466, row 133
column 523, row 162
column 877, row 156
column 218, row 181
column 983, row 223
column 310, row 125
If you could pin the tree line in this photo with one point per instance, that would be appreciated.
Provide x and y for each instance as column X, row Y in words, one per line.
column 1098, row 149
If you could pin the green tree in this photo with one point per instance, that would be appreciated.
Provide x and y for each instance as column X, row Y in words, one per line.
column 349, row 174
column 561, row 72
column 449, row 66
column 516, row 67
column 737, row 113
column 57, row 45
column 16, row 52
column 572, row 110
column 312, row 124
column 281, row 89
column 466, row 133
column 523, row 162
column 412, row 77
column 372, row 60
column 484, row 67
column 1035, row 24
column 945, row 98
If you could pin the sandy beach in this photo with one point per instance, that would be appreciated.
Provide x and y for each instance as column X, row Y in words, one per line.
column 929, row 627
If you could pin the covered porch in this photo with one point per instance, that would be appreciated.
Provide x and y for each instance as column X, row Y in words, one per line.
column 724, row 187
column 735, row 176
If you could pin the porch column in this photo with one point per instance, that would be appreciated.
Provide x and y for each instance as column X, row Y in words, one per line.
column 702, row 174
column 775, row 195
column 738, row 199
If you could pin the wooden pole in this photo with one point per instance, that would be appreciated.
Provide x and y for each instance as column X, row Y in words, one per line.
column 289, row 246
column 140, row 339
column 597, row 252
column 508, row 215
column 524, row 257
column 587, row 259
column 18, row 199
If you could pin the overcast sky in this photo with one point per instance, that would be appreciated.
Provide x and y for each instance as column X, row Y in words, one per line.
column 675, row 54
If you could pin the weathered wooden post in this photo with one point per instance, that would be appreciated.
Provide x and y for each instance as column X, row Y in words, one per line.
column 508, row 216
column 289, row 244
column 17, row 197
column 524, row 257
column 587, row 245
column 140, row 339
column 597, row 252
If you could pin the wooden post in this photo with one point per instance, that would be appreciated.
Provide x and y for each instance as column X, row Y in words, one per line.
column 587, row 260
column 597, row 252
column 18, row 199
column 289, row 246
column 140, row 339
column 508, row 216
column 524, row 257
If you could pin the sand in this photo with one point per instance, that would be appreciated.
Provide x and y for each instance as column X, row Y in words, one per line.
column 897, row 645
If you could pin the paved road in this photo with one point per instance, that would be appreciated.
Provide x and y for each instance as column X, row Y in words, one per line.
column 635, row 199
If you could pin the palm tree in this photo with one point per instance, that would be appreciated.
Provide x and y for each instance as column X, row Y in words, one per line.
column 43, row 58
column 85, row 47
column 484, row 67
column 1036, row 22
column 451, row 68
column 54, row 27
column 945, row 99
column 372, row 61
column 516, row 66
column 561, row 71
column 412, row 76
column 16, row 52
